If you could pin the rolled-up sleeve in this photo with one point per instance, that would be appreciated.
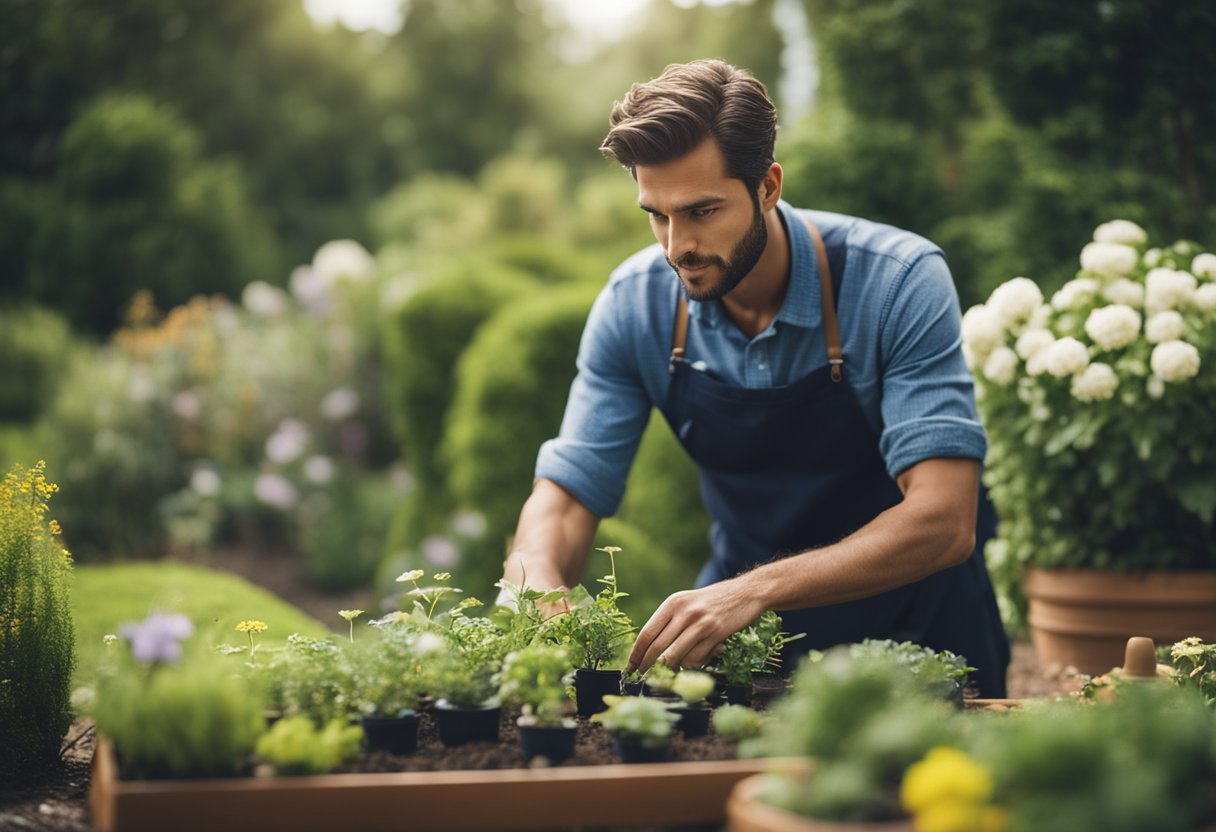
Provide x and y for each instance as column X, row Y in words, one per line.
column 605, row 416
column 928, row 400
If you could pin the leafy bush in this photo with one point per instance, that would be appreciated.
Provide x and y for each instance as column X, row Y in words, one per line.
column 737, row 722
column 36, row 649
column 295, row 746
column 137, row 207
column 754, row 649
column 35, row 347
column 536, row 678
column 641, row 718
column 309, row 677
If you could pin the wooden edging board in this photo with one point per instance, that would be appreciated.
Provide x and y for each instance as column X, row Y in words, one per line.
column 655, row 794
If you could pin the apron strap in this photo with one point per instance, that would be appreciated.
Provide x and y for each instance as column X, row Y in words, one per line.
column 830, row 325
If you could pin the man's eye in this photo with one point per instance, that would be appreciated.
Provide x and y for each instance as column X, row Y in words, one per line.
column 702, row 213
column 657, row 217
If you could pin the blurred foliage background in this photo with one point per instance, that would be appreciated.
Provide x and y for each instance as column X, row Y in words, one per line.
column 201, row 366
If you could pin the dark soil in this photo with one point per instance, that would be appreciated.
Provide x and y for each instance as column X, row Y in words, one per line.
column 57, row 802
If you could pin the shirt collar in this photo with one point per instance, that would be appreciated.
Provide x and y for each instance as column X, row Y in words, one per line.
column 803, row 305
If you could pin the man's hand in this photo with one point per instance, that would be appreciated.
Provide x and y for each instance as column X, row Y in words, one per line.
column 688, row 627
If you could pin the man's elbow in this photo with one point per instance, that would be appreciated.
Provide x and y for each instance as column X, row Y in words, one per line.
column 959, row 542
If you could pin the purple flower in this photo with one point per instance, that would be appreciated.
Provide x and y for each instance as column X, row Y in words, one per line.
column 157, row 637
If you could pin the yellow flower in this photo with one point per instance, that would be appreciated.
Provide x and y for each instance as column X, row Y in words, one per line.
column 608, row 550
column 412, row 575
column 350, row 615
column 251, row 626
column 960, row 816
column 442, row 576
column 945, row 774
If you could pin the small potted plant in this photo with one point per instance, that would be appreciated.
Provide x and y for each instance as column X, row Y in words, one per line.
column 641, row 727
column 294, row 746
column 693, row 708
column 386, row 681
column 466, row 706
column 941, row 673
column 754, row 649
column 596, row 630
column 536, row 678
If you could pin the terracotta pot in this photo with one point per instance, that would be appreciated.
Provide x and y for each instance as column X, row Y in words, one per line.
column 745, row 813
column 1083, row 618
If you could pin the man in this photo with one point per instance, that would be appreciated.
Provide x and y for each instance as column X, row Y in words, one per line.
column 810, row 364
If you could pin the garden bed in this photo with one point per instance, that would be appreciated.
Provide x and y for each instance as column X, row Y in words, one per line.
column 478, row 786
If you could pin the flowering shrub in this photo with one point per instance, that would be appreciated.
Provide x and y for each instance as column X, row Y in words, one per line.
column 1097, row 403
column 36, row 644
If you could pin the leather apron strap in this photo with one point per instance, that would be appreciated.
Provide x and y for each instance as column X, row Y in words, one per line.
column 831, row 328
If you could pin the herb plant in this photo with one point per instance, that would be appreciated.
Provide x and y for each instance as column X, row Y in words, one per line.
column 754, row 649
column 596, row 628
column 295, row 746
column 646, row 721
column 1194, row 665
column 537, row 678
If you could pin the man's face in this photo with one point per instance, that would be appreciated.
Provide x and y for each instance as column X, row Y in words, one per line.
column 710, row 226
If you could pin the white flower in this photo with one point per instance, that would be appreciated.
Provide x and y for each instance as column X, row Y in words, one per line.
column 339, row 403
column 319, row 469
column 1168, row 289
column 187, row 405
column 1074, row 292
column 1125, row 232
column 310, row 289
column 1113, row 326
column 469, row 524
column 264, row 300
column 1033, row 341
column 440, row 551
column 344, row 260
column 1174, row 361
column 142, row 388
column 1205, row 297
column 287, row 442
column 1001, row 366
column 1152, row 258
column 1065, row 357
column 1164, row 326
column 1096, row 383
column 1109, row 259
column 982, row 330
column 1155, row 387
column 1015, row 300
column 1124, row 291
column 1204, row 265
column 276, row 491
column 205, row 482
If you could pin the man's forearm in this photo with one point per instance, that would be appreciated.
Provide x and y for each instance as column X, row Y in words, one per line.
column 862, row 564
column 551, row 542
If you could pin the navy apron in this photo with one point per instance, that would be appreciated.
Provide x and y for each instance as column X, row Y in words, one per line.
column 786, row 469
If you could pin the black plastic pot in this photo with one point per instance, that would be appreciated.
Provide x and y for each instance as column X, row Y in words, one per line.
column 590, row 687
column 396, row 735
column 553, row 742
column 631, row 750
column 767, row 688
column 458, row 725
column 730, row 694
column 694, row 719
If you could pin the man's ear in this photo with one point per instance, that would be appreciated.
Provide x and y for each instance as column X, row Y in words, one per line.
column 769, row 191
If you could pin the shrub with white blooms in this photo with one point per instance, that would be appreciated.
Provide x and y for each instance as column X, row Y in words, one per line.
column 1098, row 405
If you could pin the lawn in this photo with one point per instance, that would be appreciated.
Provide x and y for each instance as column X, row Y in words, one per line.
column 106, row 596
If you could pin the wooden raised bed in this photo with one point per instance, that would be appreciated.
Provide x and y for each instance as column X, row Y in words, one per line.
column 659, row 794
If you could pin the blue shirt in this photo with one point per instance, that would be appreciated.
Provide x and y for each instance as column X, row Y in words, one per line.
column 899, row 323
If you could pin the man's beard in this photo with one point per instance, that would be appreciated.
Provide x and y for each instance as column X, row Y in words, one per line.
column 743, row 258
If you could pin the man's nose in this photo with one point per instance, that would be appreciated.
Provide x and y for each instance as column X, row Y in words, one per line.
column 680, row 240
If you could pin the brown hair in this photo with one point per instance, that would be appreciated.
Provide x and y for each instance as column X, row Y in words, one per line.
column 667, row 117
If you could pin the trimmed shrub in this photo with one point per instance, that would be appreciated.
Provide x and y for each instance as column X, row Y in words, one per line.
column 36, row 636
column 35, row 344
column 511, row 388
